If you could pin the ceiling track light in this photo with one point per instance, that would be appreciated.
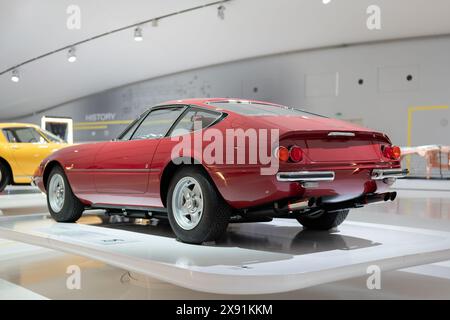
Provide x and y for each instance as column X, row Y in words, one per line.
column 138, row 34
column 71, row 55
column 221, row 12
column 15, row 75
column 219, row 4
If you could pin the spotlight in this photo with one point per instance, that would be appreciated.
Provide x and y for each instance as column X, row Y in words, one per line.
column 138, row 34
column 71, row 56
column 15, row 76
column 221, row 12
column 326, row 1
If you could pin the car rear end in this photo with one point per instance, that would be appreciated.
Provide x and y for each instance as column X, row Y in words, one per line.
column 321, row 160
column 334, row 166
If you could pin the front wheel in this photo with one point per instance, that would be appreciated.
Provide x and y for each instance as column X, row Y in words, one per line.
column 63, row 205
column 197, row 213
column 325, row 221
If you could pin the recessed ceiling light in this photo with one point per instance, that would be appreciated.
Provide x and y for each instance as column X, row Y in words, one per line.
column 15, row 76
column 71, row 55
column 138, row 34
column 326, row 1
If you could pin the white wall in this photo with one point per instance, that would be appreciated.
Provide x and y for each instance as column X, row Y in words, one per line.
column 323, row 81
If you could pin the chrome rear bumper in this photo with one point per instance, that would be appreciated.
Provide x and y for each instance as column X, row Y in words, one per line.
column 380, row 174
column 314, row 176
column 306, row 176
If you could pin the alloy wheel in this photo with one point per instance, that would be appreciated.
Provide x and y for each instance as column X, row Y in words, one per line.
column 187, row 203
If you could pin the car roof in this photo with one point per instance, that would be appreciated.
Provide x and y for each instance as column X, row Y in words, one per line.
column 209, row 102
column 16, row 125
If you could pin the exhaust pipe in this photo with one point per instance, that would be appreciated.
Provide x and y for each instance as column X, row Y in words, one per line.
column 393, row 196
column 302, row 204
column 390, row 196
column 372, row 198
column 316, row 204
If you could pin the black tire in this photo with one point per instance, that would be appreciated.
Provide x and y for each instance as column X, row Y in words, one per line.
column 326, row 221
column 215, row 215
column 72, row 208
column 5, row 176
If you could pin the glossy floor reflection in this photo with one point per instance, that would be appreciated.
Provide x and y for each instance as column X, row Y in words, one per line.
column 421, row 209
column 18, row 200
column 252, row 258
column 261, row 237
column 44, row 271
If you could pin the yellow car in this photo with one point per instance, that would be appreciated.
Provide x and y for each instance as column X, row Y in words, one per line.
column 22, row 148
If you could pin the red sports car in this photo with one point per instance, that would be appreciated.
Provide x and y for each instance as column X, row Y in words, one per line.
column 204, row 163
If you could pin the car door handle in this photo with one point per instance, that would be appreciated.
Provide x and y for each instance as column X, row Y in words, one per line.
column 14, row 147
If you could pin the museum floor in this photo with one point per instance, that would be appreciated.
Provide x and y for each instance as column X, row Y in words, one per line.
column 33, row 272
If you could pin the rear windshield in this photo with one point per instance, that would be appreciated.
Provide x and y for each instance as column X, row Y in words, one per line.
column 260, row 109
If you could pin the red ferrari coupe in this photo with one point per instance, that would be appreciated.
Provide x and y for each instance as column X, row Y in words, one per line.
column 204, row 163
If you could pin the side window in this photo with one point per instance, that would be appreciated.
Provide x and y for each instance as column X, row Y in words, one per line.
column 23, row 135
column 50, row 137
column 157, row 123
column 9, row 136
column 194, row 119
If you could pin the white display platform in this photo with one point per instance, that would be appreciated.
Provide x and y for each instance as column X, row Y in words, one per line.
column 253, row 258
column 10, row 291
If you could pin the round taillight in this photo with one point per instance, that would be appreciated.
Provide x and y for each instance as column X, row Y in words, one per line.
column 296, row 154
column 396, row 152
column 393, row 153
column 282, row 153
column 387, row 152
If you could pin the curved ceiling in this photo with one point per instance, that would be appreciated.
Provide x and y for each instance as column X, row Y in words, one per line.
column 196, row 39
